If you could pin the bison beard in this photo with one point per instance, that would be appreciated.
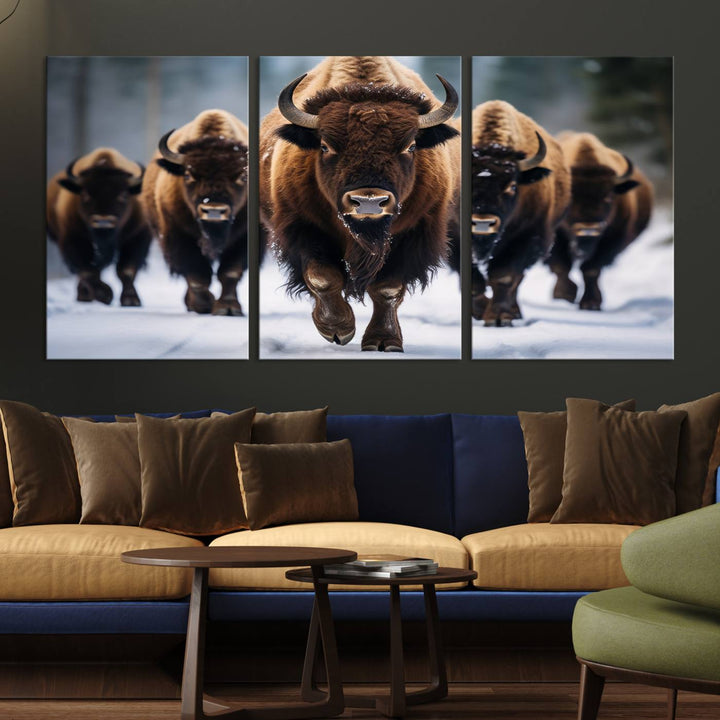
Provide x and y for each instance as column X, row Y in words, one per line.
column 214, row 237
column 368, row 251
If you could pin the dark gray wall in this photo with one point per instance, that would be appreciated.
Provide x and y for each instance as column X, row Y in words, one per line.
column 687, row 30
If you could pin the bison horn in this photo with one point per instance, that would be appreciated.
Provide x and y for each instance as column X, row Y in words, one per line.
column 537, row 158
column 628, row 172
column 69, row 169
column 291, row 112
column 439, row 116
column 167, row 153
column 135, row 182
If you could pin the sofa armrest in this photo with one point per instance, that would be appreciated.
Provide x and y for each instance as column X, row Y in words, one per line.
column 677, row 558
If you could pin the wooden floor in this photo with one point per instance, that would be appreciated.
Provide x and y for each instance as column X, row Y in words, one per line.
column 492, row 701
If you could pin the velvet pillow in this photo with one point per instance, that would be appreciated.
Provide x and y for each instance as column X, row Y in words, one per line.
column 188, row 475
column 710, row 491
column 297, row 426
column 620, row 466
column 544, row 435
column 296, row 483
column 697, row 438
column 108, row 466
column 6, row 501
column 41, row 466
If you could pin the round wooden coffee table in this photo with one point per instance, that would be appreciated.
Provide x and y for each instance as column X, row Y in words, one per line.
column 196, row 707
column 395, row 704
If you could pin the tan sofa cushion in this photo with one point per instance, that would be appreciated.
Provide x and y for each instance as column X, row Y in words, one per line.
column 544, row 556
column 365, row 538
column 82, row 562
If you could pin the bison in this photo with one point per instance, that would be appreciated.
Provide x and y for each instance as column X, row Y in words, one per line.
column 611, row 205
column 95, row 217
column 195, row 195
column 520, row 192
column 357, row 174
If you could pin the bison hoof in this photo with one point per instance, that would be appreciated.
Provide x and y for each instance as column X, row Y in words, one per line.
column 89, row 291
column 590, row 304
column 339, row 338
column 565, row 291
column 495, row 318
column 84, row 293
column 103, row 293
column 227, row 307
column 199, row 301
column 130, row 299
column 336, row 324
column 516, row 314
column 383, row 346
column 479, row 306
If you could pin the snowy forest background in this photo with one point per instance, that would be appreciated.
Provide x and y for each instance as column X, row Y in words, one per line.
column 128, row 103
column 628, row 103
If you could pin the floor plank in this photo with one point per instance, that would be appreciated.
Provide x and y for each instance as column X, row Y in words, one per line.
column 480, row 701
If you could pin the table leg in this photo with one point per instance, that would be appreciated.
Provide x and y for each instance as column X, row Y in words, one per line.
column 196, row 707
column 438, row 687
column 335, row 703
column 309, row 688
column 394, row 706
column 193, row 670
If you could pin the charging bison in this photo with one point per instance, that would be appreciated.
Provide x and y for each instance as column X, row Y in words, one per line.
column 611, row 206
column 195, row 195
column 356, row 182
column 95, row 217
column 520, row 192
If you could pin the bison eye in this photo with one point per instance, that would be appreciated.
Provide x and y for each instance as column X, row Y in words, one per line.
column 511, row 189
column 411, row 148
column 324, row 148
column 189, row 176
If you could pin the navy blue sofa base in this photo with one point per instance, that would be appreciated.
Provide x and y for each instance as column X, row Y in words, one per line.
column 170, row 617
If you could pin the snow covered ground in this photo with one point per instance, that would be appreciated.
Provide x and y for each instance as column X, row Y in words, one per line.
column 430, row 322
column 637, row 320
column 161, row 329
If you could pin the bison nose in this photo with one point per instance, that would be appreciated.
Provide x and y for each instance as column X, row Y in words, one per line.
column 213, row 212
column 103, row 222
column 588, row 229
column 485, row 224
column 368, row 203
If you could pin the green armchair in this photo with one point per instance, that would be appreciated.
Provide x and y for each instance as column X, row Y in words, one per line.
column 664, row 629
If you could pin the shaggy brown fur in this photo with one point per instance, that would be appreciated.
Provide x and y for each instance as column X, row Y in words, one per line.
column 529, row 205
column 104, row 185
column 368, row 109
column 214, row 146
column 621, row 209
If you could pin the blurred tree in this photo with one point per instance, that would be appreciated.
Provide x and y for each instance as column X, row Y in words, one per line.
column 631, row 102
column 80, row 103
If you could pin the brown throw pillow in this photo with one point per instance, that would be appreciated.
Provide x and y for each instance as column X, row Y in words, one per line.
column 697, row 438
column 298, row 426
column 710, row 491
column 6, row 501
column 544, row 435
column 297, row 483
column 41, row 466
column 619, row 466
column 108, row 465
column 188, row 474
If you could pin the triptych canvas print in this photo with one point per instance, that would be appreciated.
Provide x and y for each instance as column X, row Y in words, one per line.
column 387, row 203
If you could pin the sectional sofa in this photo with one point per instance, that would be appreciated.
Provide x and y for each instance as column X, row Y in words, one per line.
column 452, row 487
